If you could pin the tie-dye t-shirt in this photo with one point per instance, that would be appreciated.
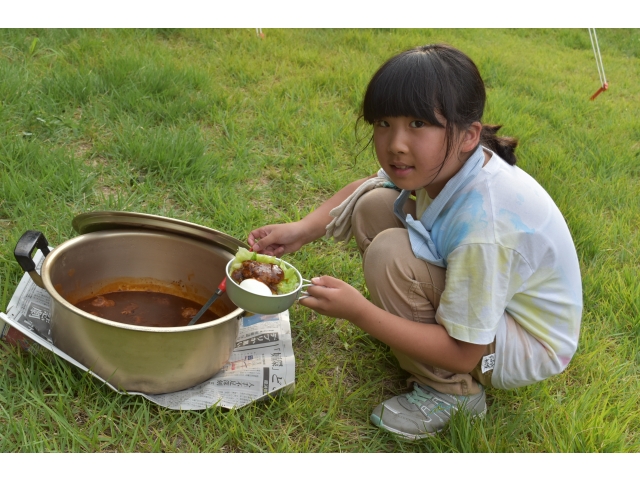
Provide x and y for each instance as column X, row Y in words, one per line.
column 507, row 248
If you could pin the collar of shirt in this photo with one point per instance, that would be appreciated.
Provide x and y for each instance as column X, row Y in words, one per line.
column 420, row 231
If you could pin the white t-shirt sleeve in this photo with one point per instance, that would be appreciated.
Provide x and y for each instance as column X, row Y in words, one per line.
column 478, row 288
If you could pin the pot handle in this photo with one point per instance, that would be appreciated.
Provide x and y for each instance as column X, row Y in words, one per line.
column 29, row 241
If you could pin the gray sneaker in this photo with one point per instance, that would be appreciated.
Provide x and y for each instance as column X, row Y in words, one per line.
column 424, row 411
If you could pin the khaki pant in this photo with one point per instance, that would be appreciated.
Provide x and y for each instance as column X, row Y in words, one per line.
column 404, row 285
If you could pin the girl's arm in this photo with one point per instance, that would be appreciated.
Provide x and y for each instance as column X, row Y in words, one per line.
column 284, row 238
column 428, row 343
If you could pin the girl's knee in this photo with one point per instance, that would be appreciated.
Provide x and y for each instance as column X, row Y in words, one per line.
column 386, row 254
column 390, row 243
column 372, row 214
column 373, row 204
column 398, row 281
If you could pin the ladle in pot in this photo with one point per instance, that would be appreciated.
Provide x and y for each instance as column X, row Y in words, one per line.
column 221, row 289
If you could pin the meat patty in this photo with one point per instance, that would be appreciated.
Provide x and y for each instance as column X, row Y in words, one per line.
column 100, row 301
column 129, row 309
column 189, row 312
column 267, row 273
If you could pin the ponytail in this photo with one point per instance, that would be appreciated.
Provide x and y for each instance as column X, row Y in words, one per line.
column 503, row 146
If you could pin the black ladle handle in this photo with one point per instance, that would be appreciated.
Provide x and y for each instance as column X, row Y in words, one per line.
column 221, row 289
column 29, row 241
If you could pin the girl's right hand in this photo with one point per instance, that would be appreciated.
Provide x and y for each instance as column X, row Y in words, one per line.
column 282, row 238
column 277, row 239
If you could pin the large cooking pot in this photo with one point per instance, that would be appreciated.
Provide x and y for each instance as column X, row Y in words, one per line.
column 130, row 251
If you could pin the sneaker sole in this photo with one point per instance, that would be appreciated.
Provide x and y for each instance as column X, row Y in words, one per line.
column 409, row 436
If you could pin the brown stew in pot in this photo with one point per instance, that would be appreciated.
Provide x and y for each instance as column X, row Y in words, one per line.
column 146, row 309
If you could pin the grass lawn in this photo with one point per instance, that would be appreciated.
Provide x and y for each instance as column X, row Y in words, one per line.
column 224, row 129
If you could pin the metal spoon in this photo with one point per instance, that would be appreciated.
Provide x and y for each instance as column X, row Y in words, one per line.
column 221, row 289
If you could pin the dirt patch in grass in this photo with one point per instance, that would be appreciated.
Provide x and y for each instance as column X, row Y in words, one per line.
column 81, row 150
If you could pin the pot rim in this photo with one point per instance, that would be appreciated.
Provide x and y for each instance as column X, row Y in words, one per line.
column 105, row 220
column 46, row 279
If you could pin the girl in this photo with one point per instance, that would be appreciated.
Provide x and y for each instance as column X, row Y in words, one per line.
column 474, row 282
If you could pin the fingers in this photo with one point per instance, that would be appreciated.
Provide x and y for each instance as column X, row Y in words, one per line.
column 258, row 234
column 322, row 289
column 327, row 281
column 332, row 297
column 316, row 294
column 276, row 239
column 261, row 240
column 317, row 307
column 274, row 250
column 308, row 302
column 317, row 304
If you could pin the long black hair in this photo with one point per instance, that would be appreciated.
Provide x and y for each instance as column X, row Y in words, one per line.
column 434, row 78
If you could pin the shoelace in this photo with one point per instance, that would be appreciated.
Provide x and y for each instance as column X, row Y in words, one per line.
column 419, row 396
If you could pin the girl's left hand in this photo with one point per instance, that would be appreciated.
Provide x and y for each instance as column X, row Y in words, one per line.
column 334, row 298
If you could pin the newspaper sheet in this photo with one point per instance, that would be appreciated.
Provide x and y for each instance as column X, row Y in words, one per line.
column 261, row 364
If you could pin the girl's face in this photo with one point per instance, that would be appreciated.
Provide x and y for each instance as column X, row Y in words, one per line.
column 411, row 151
